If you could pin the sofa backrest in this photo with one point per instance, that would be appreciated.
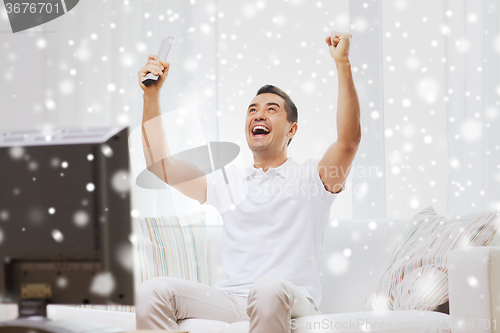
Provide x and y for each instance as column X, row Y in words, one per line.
column 354, row 253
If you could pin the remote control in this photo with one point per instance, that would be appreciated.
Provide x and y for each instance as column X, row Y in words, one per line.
column 162, row 54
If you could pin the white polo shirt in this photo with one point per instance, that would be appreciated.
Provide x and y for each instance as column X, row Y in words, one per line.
column 276, row 226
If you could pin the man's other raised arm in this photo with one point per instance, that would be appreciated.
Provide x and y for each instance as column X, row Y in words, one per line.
column 335, row 165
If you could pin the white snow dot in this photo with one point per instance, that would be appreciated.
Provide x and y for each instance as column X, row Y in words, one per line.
column 428, row 139
column 279, row 20
column 492, row 112
column 52, row 210
column 338, row 264
column 496, row 43
column 124, row 256
column 413, row 63
column 41, row 43
column 428, row 90
column 471, row 130
column 50, row 104
column 375, row 114
column 472, row 17
column 120, row 181
column 64, row 164
column 81, row 218
column 463, row 45
column 127, row 59
column 106, row 150
column 473, row 281
column 4, row 215
column 93, row 36
column 83, row 53
column 249, row 10
column 57, row 235
column 90, row 157
column 406, row 103
column 16, row 152
column 372, row 225
column 62, row 282
column 454, row 163
column 360, row 24
column 90, row 187
column 190, row 64
column 347, row 252
column 205, row 28
column 141, row 47
column 103, row 284
column 134, row 213
column 33, row 165
column 55, row 162
column 445, row 29
column 111, row 87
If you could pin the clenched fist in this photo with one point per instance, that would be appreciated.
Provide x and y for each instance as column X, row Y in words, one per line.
column 156, row 67
column 339, row 45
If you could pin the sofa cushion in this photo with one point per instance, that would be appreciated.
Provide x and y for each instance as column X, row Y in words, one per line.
column 416, row 276
column 376, row 321
column 173, row 246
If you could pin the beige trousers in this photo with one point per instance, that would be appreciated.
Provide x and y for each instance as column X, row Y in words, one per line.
column 271, row 304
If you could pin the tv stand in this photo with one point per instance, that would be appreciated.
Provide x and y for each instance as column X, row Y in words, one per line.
column 33, row 319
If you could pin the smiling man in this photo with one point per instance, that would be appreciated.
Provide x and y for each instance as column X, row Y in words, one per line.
column 272, row 239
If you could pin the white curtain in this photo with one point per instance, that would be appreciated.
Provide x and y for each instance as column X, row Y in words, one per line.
column 81, row 70
column 369, row 198
column 438, row 76
column 428, row 83
column 473, row 103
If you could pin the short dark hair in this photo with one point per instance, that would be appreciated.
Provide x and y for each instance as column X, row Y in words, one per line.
column 292, row 114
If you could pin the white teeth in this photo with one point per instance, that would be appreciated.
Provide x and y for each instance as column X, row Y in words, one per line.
column 261, row 127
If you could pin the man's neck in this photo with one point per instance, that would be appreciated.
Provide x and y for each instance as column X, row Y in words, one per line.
column 266, row 162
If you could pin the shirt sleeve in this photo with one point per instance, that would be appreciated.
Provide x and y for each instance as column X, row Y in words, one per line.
column 317, row 185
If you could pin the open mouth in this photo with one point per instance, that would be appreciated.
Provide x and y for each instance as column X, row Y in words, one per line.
column 260, row 130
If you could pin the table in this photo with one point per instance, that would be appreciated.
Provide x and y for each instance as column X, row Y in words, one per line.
column 155, row 331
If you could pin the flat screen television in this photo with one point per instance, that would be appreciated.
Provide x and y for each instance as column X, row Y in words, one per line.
column 65, row 222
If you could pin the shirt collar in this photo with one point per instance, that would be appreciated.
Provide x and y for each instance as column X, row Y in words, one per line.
column 282, row 170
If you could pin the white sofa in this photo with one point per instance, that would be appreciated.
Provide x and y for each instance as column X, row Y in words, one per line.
column 354, row 253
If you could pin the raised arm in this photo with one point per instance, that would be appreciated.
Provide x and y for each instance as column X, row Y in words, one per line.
column 185, row 177
column 335, row 165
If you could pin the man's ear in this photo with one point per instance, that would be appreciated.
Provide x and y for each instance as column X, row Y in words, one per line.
column 293, row 129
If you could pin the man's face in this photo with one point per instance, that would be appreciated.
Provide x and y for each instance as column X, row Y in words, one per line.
column 266, row 125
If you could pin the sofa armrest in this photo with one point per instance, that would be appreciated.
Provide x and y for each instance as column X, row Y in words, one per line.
column 474, row 289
